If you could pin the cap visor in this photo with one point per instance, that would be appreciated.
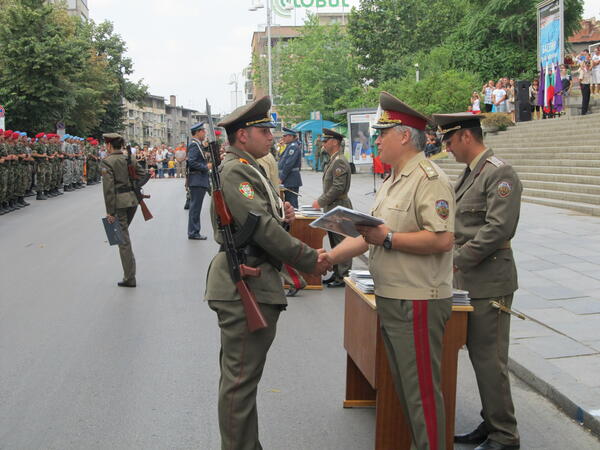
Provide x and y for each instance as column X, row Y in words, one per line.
column 265, row 125
column 383, row 126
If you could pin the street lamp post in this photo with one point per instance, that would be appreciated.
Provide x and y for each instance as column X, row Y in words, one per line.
column 269, row 61
column 234, row 81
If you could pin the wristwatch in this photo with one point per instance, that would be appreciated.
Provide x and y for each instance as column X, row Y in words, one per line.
column 387, row 242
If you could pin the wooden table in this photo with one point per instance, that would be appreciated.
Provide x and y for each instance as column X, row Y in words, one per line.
column 313, row 237
column 368, row 377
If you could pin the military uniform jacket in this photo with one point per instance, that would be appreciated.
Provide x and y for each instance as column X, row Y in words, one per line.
column 289, row 165
column 244, row 191
column 118, row 193
column 197, row 166
column 336, row 183
column 488, row 207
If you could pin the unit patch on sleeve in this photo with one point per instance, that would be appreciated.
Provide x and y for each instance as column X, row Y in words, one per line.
column 504, row 189
column 442, row 208
column 247, row 190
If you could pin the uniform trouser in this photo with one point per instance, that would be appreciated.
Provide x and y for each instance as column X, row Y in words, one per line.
column 125, row 216
column 291, row 197
column 585, row 98
column 180, row 169
column 241, row 359
column 488, row 334
column 339, row 270
column 413, row 332
column 22, row 179
column 43, row 175
column 197, row 194
column 67, row 167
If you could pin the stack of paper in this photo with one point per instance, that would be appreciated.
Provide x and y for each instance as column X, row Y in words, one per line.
column 364, row 281
column 460, row 298
column 309, row 211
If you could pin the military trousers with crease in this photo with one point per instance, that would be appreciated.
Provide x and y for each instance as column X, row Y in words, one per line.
column 488, row 336
column 242, row 360
column 125, row 216
column 340, row 270
column 413, row 332
column 197, row 194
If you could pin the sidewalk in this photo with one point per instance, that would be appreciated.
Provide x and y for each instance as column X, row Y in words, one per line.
column 557, row 350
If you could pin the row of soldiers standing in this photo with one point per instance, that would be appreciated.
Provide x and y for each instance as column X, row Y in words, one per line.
column 45, row 165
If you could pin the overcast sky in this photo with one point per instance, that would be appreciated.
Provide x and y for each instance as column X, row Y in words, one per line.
column 191, row 48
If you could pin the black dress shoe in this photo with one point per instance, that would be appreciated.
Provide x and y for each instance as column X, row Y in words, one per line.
column 477, row 436
column 198, row 237
column 292, row 291
column 329, row 280
column 493, row 445
column 336, row 283
column 126, row 284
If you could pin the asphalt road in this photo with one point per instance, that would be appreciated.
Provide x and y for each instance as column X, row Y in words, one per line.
column 87, row 365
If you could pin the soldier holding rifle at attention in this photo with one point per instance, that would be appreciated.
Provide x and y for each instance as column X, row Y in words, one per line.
column 410, row 257
column 120, row 199
column 247, row 206
column 488, row 198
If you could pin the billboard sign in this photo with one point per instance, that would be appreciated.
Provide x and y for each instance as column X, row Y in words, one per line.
column 550, row 32
column 284, row 8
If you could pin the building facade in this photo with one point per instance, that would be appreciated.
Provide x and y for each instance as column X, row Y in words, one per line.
column 154, row 122
column 77, row 8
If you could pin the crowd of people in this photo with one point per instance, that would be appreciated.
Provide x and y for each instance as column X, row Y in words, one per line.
column 44, row 165
column 162, row 161
column 500, row 96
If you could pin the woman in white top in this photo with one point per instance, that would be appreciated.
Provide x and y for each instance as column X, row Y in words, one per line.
column 499, row 98
column 596, row 71
column 475, row 103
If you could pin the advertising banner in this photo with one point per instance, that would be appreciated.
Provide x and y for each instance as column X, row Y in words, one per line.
column 550, row 32
column 361, row 138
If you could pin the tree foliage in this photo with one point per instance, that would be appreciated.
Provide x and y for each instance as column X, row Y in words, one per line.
column 54, row 67
column 316, row 69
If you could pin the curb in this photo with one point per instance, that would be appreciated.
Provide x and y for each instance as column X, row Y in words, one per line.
column 574, row 399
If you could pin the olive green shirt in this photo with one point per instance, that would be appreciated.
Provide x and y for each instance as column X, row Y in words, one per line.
column 116, row 184
column 336, row 183
column 419, row 198
column 488, row 208
column 244, row 191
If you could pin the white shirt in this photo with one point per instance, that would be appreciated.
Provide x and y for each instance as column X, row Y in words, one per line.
column 596, row 57
column 498, row 94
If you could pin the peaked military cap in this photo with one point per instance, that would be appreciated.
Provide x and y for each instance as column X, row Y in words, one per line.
column 396, row 112
column 330, row 134
column 110, row 136
column 288, row 131
column 255, row 114
column 196, row 127
column 449, row 123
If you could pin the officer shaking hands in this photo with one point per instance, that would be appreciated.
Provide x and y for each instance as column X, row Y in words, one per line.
column 198, row 184
column 336, row 184
column 488, row 196
column 290, row 163
column 246, row 190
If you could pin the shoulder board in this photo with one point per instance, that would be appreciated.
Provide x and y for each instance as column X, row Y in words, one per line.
column 244, row 161
column 429, row 169
column 496, row 161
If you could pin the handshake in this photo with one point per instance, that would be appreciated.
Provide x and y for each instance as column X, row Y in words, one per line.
column 324, row 262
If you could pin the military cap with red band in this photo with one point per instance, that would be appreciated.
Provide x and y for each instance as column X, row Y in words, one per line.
column 395, row 112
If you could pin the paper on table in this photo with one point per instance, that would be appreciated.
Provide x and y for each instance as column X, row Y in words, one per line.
column 343, row 221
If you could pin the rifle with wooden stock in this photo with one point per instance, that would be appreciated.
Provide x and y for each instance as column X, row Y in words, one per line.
column 231, row 244
column 136, row 185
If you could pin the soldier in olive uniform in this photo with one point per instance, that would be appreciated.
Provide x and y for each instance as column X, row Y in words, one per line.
column 336, row 184
column 488, row 196
column 22, row 168
column 121, row 202
column 3, row 175
column 246, row 189
column 410, row 258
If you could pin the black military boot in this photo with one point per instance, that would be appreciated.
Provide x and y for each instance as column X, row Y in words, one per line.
column 49, row 193
column 21, row 201
column 3, row 210
column 58, row 191
column 41, row 196
column 12, row 206
column 29, row 193
column 67, row 188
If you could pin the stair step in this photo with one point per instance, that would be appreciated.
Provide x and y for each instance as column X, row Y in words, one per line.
column 557, row 153
column 576, row 188
column 573, row 206
column 590, row 171
column 560, row 178
column 591, row 199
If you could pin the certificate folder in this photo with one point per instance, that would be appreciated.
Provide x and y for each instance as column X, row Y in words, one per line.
column 343, row 221
column 113, row 232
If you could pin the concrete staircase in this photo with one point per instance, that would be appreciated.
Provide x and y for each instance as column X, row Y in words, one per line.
column 558, row 161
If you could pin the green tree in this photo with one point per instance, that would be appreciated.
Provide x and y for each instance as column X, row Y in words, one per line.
column 316, row 69
column 40, row 55
column 387, row 33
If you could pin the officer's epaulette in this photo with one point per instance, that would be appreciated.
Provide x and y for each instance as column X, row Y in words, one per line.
column 429, row 169
column 244, row 161
column 496, row 161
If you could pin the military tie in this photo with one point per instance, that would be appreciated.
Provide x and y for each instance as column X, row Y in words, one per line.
column 462, row 180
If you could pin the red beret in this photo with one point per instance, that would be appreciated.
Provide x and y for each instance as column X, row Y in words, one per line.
column 7, row 133
column 90, row 139
column 39, row 135
column 16, row 135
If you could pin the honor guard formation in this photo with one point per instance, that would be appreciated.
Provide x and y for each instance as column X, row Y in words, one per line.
column 44, row 165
